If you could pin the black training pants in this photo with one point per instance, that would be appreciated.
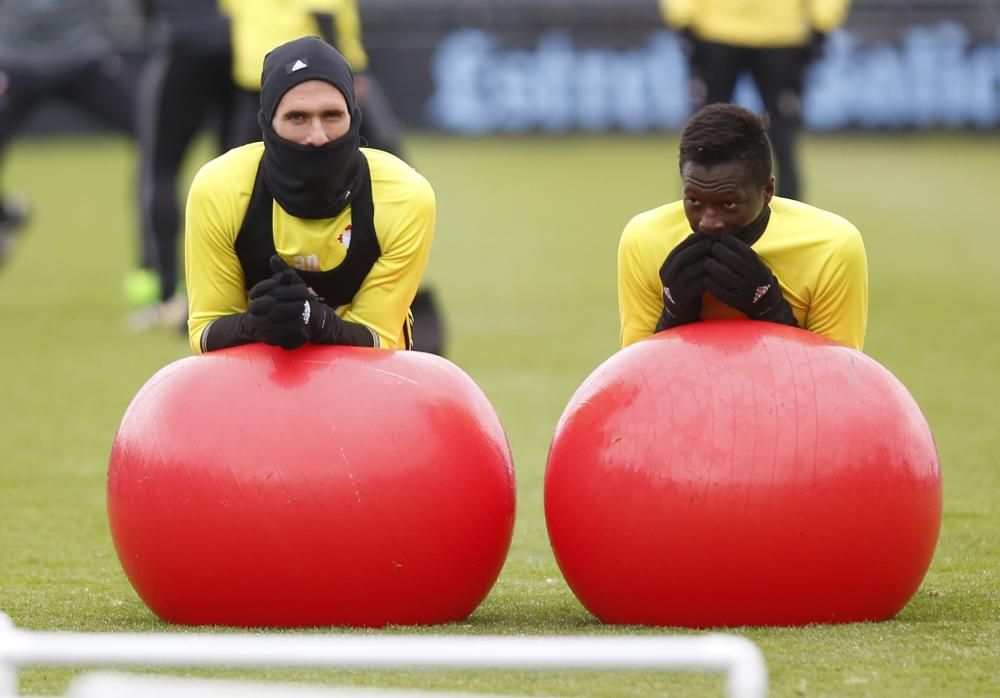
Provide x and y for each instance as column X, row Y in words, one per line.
column 778, row 74
column 182, row 92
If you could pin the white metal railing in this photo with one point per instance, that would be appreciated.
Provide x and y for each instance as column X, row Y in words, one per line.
column 738, row 658
column 100, row 684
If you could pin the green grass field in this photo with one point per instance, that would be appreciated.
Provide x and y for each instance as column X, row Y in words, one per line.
column 524, row 261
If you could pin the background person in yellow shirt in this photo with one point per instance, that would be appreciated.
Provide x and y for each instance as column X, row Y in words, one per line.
column 356, row 224
column 260, row 25
column 772, row 40
column 731, row 248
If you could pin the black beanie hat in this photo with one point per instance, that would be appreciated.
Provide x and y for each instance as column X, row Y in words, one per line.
column 295, row 62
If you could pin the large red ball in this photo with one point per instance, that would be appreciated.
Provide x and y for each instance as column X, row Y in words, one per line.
column 322, row 486
column 742, row 473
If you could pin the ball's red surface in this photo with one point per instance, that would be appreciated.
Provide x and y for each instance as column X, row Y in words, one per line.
column 322, row 486
column 742, row 473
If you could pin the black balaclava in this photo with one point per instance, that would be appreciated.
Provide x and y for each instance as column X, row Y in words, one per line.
column 309, row 181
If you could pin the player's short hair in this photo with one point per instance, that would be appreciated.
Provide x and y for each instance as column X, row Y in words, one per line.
column 723, row 133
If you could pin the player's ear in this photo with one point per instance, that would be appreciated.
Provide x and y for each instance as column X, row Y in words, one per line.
column 769, row 190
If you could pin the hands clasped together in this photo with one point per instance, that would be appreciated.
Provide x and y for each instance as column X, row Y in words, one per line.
column 283, row 311
column 730, row 270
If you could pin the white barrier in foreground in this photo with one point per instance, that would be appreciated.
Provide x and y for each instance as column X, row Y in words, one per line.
column 113, row 685
column 737, row 657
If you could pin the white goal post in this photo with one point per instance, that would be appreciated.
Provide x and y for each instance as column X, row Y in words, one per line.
column 738, row 658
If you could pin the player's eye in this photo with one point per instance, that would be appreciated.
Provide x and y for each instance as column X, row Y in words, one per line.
column 729, row 205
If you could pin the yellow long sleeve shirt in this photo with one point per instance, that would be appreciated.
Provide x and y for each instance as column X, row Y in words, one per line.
column 755, row 23
column 817, row 256
column 260, row 25
column 217, row 204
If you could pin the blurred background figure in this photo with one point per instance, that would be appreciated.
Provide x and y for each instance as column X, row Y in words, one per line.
column 13, row 215
column 57, row 50
column 186, row 87
column 260, row 25
column 772, row 40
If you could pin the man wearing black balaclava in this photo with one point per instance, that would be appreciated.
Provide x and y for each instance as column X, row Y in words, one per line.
column 306, row 237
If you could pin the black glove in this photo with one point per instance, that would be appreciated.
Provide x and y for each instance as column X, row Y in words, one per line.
column 284, row 312
column 816, row 48
column 739, row 278
column 280, row 308
column 688, row 41
column 682, row 276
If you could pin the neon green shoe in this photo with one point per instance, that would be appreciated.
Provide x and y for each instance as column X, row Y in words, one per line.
column 142, row 288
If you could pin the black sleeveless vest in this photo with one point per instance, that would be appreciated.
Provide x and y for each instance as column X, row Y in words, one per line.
column 335, row 287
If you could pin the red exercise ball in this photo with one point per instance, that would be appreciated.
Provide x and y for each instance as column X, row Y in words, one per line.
column 742, row 473
column 321, row 486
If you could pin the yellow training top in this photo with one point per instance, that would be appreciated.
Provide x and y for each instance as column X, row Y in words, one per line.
column 404, row 225
column 260, row 25
column 817, row 256
column 755, row 23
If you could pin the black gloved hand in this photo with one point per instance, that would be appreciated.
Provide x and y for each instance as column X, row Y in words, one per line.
column 682, row 275
column 284, row 312
column 688, row 40
column 816, row 48
column 280, row 308
column 739, row 278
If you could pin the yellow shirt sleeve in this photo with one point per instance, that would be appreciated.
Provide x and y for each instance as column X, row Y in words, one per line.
column 677, row 13
column 215, row 209
column 260, row 25
column 839, row 306
column 827, row 15
column 383, row 301
column 349, row 35
column 346, row 28
column 639, row 301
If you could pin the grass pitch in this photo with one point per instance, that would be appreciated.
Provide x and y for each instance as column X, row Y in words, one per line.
column 524, row 261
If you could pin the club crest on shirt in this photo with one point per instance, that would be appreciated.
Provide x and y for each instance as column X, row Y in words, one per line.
column 345, row 237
